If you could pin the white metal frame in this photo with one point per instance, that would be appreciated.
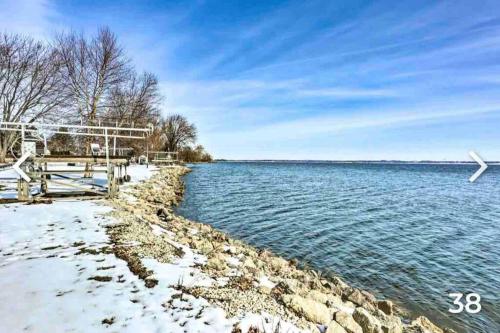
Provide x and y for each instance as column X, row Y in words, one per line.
column 117, row 132
column 97, row 131
column 163, row 156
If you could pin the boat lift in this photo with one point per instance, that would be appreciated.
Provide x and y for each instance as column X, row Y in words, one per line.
column 36, row 167
column 163, row 157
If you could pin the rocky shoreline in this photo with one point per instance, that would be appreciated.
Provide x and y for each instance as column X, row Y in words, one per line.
column 243, row 279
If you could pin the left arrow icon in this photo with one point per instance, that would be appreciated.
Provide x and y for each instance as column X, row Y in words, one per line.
column 17, row 168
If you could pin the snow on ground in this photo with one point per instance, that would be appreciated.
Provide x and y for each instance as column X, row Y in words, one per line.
column 46, row 287
column 51, row 280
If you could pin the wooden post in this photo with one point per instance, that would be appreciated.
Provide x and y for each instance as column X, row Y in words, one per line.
column 43, row 185
column 43, row 179
column 111, row 177
column 120, row 177
column 23, row 190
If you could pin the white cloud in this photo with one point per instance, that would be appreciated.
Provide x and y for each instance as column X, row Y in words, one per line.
column 30, row 17
column 348, row 93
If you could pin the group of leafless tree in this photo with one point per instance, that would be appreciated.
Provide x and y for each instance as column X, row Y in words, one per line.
column 83, row 79
column 177, row 134
column 31, row 85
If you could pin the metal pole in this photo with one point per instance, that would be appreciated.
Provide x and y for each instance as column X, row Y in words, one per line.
column 114, row 141
column 45, row 148
column 107, row 147
column 147, row 152
column 22, row 139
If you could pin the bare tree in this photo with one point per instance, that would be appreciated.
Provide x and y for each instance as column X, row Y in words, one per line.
column 91, row 69
column 156, row 140
column 136, row 102
column 198, row 154
column 177, row 132
column 30, row 84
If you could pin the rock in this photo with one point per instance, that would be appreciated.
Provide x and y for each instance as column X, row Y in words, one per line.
column 426, row 324
column 162, row 213
column 184, row 240
column 317, row 296
column 336, row 303
column 230, row 250
column 335, row 327
column 216, row 264
column 392, row 325
column 347, row 321
column 203, row 246
column 341, row 284
column 369, row 297
column 311, row 310
column 314, row 328
column 248, row 263
column 386, row 307
column 251, row 253
column 357, row 297
column 205, row 228
column 278, row 263
column 264, row 254
column 264, row 290
column 292, row 286
column 259, row 263
column 282, row 287
column 368, row 323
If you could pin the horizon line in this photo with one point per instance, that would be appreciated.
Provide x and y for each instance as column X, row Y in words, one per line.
column 356, row 161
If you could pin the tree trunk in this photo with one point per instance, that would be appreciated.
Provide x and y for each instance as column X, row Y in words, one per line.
column 3, row 154
column 3, row 147
column 88, row 141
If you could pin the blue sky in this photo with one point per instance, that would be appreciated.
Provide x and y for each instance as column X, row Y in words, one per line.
column 309, row 79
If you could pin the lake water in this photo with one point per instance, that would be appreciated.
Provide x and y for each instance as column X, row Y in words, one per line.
column 410, row 233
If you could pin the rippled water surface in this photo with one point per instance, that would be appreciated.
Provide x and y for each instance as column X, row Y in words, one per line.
column 411, row 233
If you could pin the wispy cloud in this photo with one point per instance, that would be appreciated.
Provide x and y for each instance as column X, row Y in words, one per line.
column 261, row 76
column 357, row 93
column 36, row 18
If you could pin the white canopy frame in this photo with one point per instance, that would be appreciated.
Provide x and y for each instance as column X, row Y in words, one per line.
column 71, row 129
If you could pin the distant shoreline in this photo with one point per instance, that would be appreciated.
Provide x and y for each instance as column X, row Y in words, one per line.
column 361, row 162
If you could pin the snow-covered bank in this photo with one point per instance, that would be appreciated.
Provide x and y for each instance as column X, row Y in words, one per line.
column 58, row 273
column 131, row 264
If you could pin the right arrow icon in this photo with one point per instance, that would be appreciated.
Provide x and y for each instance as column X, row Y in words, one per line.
column 479, row 161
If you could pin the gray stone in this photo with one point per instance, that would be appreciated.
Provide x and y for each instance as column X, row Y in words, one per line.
column 357, row 297
column 368, row 323
column 386, row 307
column 335, row 327
column 336, row 303
column 390, row 324
column 347, row 322
column 310, row 309
column 426, row 324
column 318, row 296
